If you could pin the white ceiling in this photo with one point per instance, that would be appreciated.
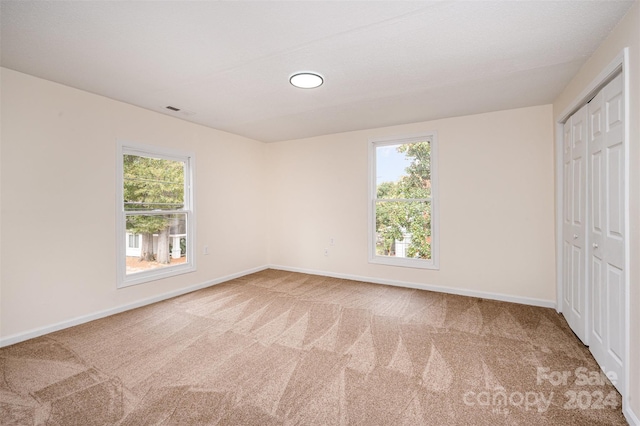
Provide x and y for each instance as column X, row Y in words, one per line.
column 384, row 62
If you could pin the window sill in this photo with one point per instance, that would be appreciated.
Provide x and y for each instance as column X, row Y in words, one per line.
column 158, row 274
column 405, row 262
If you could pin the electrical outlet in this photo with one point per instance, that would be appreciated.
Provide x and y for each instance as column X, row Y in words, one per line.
column 205, row 250
column 326, row 252
column 332, row 241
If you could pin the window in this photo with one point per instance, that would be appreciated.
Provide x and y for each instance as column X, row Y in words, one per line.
column 403, row 215
column 155, row 213
column 134, row 241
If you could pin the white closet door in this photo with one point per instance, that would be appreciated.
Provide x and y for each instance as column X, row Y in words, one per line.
column 574, row 222
column 606, row 250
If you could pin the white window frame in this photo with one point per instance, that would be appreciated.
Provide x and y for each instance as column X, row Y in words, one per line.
column 432, row 263
column 124, row 147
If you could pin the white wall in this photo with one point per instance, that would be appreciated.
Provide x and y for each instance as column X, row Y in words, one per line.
column 58, row 201
column 496, row 204
column 626, row 34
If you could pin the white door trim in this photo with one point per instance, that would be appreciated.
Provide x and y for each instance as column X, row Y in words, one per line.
column 619, row 64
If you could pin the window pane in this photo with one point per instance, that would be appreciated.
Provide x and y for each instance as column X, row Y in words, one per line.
column 403, row 229
column 161, row 241
column 403, row 170
column 152, row 183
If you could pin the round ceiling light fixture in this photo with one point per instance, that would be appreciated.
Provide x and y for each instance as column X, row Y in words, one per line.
column 306, row 80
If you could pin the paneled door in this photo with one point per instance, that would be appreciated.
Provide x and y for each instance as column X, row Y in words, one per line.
column 574, row 222
column 606, row 248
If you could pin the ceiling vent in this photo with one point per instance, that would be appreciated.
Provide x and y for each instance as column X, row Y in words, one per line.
column 180, row 111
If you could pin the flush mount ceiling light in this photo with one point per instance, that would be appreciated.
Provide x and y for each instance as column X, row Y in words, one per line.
column 306, row 80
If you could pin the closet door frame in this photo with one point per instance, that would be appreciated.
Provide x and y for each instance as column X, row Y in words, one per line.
column 619, row 65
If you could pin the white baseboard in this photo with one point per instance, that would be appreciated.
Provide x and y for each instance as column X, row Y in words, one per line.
column 20, row 337
column 440, row 289
column 631, row 417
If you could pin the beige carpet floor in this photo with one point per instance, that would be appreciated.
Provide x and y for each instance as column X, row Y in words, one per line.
column 278, row 348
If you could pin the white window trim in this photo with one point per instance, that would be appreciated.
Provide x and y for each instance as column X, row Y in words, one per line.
column 125, row 147
column 433, row 263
